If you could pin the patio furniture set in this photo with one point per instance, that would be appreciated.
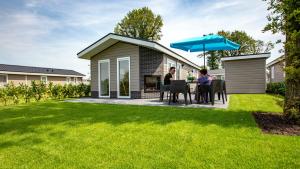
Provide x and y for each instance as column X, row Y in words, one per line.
column 203, row 93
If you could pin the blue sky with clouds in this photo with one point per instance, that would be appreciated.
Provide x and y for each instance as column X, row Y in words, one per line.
column 50, row 32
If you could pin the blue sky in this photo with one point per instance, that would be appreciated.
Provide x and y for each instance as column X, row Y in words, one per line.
column 50, row 32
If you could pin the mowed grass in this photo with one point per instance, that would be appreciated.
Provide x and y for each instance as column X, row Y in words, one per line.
column 81, row 135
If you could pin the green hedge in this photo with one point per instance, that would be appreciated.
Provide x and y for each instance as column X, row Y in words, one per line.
column 40, row 91
column 276, row 88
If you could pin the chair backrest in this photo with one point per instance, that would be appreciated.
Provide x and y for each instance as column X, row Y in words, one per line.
column 178, row 86
column 217, row 85
column 164, row 87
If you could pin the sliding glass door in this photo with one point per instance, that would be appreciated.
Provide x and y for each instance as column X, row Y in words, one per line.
column 123, row 77
column 104, row 79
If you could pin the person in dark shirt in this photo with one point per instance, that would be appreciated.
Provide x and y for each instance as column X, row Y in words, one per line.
column 168, row 78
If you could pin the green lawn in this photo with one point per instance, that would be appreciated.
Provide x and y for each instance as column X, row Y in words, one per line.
column 77, row 135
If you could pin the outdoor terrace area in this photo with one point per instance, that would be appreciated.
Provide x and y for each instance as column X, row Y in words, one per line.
column 153, row 102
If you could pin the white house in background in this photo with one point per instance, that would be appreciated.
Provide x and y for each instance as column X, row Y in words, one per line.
column 217, row 73
column 276, row 70
column 18, row 74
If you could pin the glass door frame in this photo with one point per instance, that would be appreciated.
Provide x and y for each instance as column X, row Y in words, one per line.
column 99, row 77
column 118, row 79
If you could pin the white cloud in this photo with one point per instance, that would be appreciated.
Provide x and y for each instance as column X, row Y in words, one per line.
column 50, row 33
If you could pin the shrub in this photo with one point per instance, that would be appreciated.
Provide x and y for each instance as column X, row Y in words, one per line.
column 276, row 88
column 4, row 95
column 26, row 92
column 39, row 90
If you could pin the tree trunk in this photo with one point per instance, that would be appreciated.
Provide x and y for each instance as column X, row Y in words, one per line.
column 292, row 95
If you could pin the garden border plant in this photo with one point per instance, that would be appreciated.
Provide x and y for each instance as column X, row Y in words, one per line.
column 37, row 91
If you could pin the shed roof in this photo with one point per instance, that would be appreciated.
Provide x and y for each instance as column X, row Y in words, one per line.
column 250, row 56
column 4, row 68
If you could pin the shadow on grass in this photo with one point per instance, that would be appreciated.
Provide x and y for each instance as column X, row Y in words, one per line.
column 26, row 118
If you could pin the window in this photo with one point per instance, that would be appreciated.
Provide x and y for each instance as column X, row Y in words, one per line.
column 104, row 78
column 3, row 80
column 44, row 79
column 68, row 80
column 272, row 72
column 178, row 70
column 123, row 77
column 75, row 80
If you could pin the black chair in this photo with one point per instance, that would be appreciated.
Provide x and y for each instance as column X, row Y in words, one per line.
column 163, row 89
column 216, row 87
column 203, row 93
column 180, row 86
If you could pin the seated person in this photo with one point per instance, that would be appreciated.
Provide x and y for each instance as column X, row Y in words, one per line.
column 204, row 80
column 168, row 78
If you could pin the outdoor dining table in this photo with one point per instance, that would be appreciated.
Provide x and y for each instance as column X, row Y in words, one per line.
column 196, row 89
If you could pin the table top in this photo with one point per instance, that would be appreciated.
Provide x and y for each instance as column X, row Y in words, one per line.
column 192, row 82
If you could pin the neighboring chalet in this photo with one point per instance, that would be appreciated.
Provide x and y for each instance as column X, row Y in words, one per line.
column 276, row 70
column 25, row 74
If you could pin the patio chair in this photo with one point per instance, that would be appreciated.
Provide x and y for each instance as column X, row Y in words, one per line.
column 203, row 93
column 216, row 87
column 163, row 89
column 180, row 86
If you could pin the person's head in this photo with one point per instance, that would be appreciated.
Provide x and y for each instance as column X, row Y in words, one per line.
column 203, row 72
column 172, row 70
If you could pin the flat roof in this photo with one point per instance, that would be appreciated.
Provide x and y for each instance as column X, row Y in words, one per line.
column 250, row 56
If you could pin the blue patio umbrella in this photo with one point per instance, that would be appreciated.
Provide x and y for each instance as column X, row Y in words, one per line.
column 205, row 43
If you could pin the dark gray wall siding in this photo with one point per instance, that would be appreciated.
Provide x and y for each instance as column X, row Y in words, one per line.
column 151, row 63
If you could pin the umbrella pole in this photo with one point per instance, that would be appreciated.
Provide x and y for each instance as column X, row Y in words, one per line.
column 204, row 54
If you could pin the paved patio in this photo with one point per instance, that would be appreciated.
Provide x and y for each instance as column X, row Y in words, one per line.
column 152, row 102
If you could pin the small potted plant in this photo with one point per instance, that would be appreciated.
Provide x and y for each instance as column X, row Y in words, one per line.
column 190, row 78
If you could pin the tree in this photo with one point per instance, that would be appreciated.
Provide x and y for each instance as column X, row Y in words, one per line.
column 248, row 44
column 284, row 18
column 213, row 60
column 141, row 23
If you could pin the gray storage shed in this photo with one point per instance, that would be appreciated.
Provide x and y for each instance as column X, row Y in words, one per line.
column 246, row 73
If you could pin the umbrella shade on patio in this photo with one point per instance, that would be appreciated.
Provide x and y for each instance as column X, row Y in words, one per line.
column 205, row 43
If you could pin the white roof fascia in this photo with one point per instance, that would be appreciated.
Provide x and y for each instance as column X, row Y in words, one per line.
column 275, row 61
column 265, row 55
column 38, row 74
column 140, row 43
